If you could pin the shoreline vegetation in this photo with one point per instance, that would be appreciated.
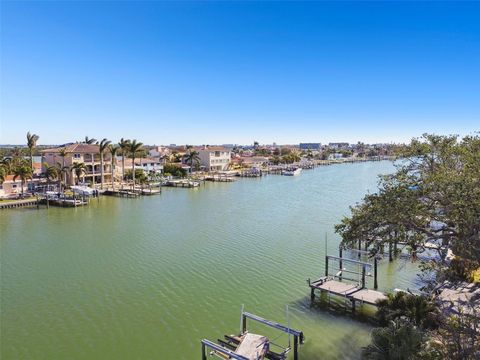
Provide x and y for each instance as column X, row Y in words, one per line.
column 430, row 203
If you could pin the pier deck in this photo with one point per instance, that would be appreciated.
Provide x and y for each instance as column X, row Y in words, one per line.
column 353, row 292
column 367, row 296
column 334, row 286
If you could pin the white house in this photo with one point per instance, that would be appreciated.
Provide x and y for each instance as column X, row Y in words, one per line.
column 145, row 164
column 214, row 158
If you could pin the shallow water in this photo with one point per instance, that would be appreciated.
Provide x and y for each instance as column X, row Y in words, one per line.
column 150, row 277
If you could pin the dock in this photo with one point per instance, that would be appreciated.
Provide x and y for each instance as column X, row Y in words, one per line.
column 350, row 289
column 18, row 203
column 121, row 193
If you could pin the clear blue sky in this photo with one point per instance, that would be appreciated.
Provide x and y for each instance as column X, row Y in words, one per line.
column 234, row 72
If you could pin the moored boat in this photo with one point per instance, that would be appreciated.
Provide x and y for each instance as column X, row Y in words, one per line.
column 292, row 171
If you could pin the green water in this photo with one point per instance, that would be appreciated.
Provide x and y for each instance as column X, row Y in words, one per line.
column 148, row 278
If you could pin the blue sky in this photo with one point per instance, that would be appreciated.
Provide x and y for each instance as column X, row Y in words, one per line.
column 234, row 72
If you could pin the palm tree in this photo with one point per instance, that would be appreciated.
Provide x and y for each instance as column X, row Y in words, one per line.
column 192, row 157
column 31, row 143
column 3, row 174
column 7, row 165
column 295, row 156
column 419, row 310
column 50, row 173
column 103, row 146
column 62, row 173
column 79, row 169
column 63, row 153
column 113, row 152
column 88, row 140
column 123, row 144
column 24, row 172
column 399, row 341
column 134, row 148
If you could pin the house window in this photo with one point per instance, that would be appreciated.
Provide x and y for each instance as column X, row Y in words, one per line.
column 76, row 156
column 14, row 186
column 217, row 153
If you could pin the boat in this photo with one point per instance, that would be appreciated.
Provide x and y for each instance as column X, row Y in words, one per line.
column 83, row 190
column 292, row 171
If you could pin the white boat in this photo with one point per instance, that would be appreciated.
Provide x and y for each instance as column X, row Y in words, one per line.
column 82, row 190
column 292, row 171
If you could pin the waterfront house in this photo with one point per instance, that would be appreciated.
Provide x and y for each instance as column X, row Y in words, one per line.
column 214, row 158
column 13, row 188
column 160, row 153
column 146, row 164
column 89, row 154
column 254, row 161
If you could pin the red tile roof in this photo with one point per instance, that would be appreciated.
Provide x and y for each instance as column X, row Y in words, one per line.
column 75, row 148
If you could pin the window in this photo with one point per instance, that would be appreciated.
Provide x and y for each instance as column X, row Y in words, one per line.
column 217, row 153
column 76, row 156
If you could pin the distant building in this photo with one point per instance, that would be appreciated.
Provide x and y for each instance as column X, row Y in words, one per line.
column 341, row 145
column 310, row 146
column 214, row 158
column 335, row 156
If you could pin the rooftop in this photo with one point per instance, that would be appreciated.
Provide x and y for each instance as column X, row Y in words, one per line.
column 75, row 148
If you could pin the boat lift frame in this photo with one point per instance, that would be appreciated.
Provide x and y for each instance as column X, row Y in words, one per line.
column 298, row 338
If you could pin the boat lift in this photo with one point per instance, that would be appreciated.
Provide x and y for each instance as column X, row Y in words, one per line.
column 248, row 346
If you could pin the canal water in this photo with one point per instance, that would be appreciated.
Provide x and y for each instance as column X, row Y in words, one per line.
column 148, row 278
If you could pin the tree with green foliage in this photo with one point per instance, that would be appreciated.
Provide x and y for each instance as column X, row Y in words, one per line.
column 89, row 141
column 193, row 159
column 31, row 143
column 419, row 310
column 398, row 341
column 434, row 195
column 174, row 170
column 24, row 172
column 79, row 169
column 50, row 173
column 134, row 148
column 3, row 174
column 139, row 175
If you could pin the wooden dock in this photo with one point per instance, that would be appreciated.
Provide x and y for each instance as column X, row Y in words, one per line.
column 121, row 193
column 349, row 289
column 18, row 203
